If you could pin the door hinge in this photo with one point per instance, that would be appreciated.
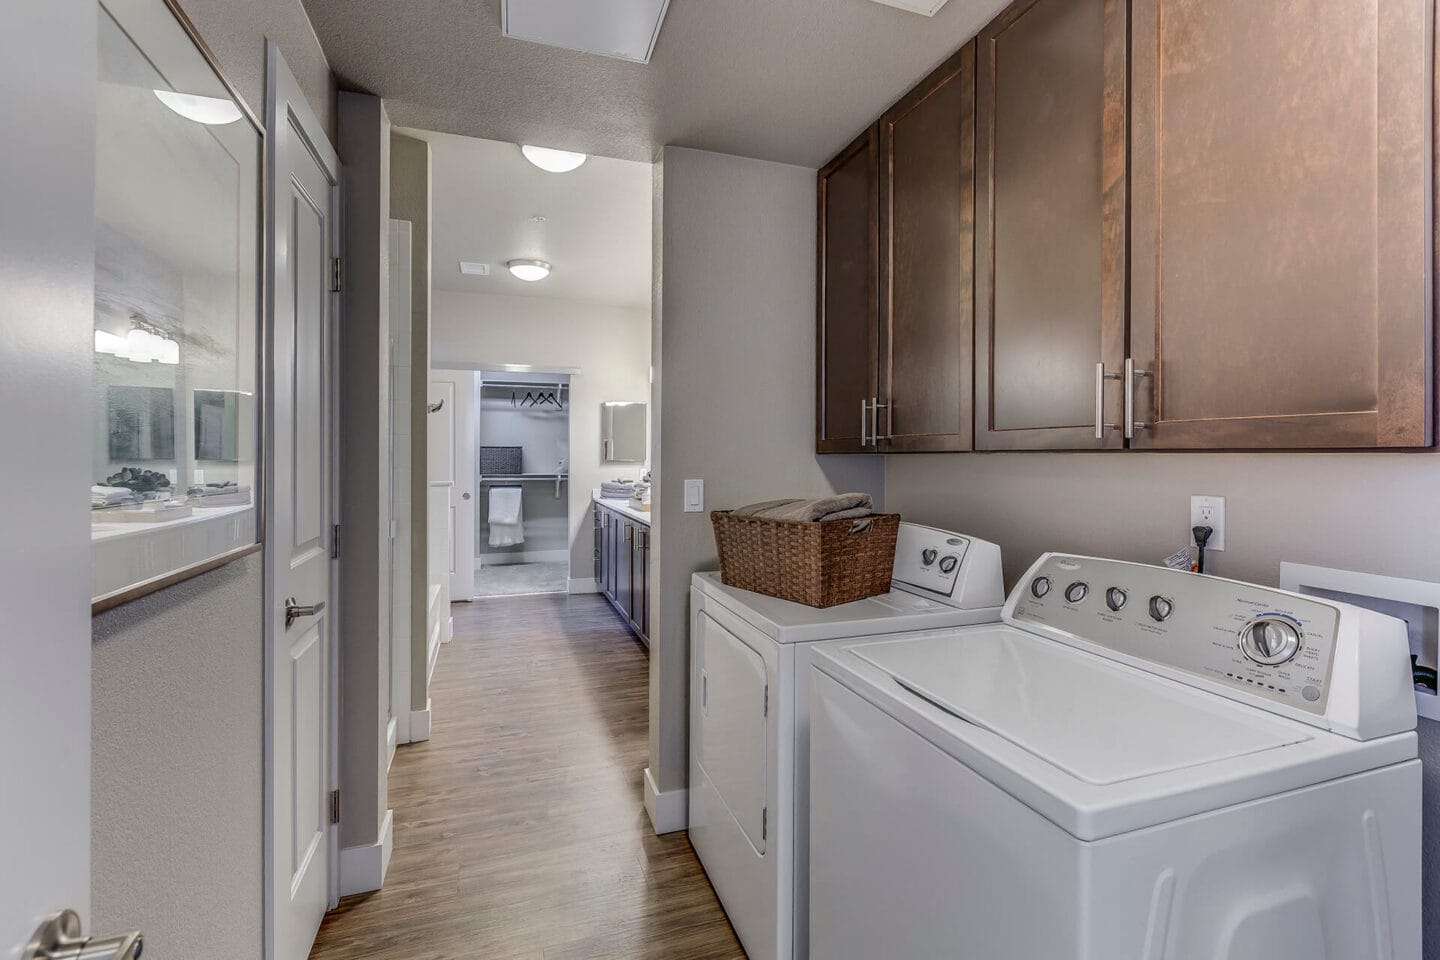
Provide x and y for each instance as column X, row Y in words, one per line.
column 767, row 700
column 764, row 823
column 334, row 806
column 335, row 275
column 335, row 542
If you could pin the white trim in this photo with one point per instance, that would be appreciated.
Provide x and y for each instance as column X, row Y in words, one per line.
column 363, row 868
column 582, row 585
column 521, row 556
column 392, row 739
column 420, row 724
column 670, row 811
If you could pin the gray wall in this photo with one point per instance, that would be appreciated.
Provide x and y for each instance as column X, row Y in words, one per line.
column 735, row 336
column 177, row 766
column 364, row 372
column 1374, row 512
column 410, row 200
column 176, row 807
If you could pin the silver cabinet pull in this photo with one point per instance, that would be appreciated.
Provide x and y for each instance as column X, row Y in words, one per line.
column 864, row 420
column 1131, row 374
column 294, row 611
column 58, row 938
column 1100, row 377
column 875, row 406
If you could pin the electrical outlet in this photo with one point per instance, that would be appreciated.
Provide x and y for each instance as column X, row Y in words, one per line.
column 1209, row 512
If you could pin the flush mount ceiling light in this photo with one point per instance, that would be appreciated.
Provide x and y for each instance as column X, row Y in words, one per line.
column 528, row 270
column 211, row 111
column 552, row 161
column 926, row 8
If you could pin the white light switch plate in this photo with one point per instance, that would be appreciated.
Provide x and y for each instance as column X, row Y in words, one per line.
column 1209, row 512
column 694, row 496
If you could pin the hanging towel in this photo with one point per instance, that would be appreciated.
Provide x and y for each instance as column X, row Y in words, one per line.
column 507, row 521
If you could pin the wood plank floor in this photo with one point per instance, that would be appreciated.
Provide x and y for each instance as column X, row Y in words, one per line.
column 520, row 829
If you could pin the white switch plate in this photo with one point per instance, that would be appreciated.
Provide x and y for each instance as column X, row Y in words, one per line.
column 1209, row 512
column 694, row 496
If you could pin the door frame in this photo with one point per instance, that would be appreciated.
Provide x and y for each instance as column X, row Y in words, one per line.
column 281, row 85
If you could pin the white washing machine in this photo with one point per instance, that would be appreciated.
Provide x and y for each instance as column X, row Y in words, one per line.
column 1139, row 763
column 749, row 734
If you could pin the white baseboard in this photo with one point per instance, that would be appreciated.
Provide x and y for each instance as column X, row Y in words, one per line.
column 362, row 868
column 669, row 811
column 582, row 585
column 521, row 556
column 420, row 724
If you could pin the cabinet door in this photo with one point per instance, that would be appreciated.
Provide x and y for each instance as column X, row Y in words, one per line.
column 624, row 568
column 927, row 261
column 640, row 581
column 609, row 556
column 1279, row 218
column 599, row 536
column 1050, row 225
column 847, row 311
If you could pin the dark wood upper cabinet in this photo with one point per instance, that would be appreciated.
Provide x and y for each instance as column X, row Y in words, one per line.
column 846, row 298
column 1279, row 219
column 927, row 260
column 1050, row 225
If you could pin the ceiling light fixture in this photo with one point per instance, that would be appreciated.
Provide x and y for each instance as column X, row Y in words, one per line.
column 528, row 270
column 552, row 161
column 211, row 111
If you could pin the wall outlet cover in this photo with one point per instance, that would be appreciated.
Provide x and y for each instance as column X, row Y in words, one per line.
column 694, row 496
column 1209, row 512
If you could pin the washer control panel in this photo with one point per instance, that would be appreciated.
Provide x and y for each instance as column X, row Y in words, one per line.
column 1266, row 642
column 928, row 558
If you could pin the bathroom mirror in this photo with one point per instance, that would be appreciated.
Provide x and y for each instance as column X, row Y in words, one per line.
column 622, row 432
column 178, row 227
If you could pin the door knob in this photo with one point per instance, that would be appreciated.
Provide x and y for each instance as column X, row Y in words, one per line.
column 294, row 611
column 464, row 496
column 59, row 938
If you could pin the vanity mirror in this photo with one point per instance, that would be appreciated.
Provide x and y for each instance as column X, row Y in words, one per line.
column 175, row 451
column 622, row 432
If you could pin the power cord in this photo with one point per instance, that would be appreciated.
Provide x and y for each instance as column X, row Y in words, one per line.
column 1202, row 537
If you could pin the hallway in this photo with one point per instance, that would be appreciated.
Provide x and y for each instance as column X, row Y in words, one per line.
column 519, row 827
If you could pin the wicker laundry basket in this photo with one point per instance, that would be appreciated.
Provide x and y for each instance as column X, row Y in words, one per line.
column 817, row 564
column 500, row 461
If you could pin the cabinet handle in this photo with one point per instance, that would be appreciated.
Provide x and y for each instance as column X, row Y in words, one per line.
column 875, row 406
column 864, row 419
column 1131, row 374
column 629, row 533
column 1100, row 377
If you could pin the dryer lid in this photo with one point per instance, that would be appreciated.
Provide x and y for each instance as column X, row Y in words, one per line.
column 1098, row 721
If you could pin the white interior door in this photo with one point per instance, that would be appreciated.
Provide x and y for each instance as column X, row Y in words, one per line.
column 300, row 650
column 452, row 446
column 47, row 70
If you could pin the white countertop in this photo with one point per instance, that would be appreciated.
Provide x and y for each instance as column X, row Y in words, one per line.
column 622, row 507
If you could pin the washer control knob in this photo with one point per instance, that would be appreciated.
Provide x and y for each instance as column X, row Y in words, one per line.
column 1161, row 608
column 1077, row 591
column 948, row 563
column 1270, row 640
column 1115, row 598
column 928, row 555
column 1039, row 587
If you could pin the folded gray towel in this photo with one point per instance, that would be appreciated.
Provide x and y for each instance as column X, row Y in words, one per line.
column 617, row 489
column 841, row 506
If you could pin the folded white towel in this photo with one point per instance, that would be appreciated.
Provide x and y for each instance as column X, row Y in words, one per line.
column 507, row 522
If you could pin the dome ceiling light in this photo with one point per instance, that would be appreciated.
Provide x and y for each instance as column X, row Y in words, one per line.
column 552, row 161
column 528, row 270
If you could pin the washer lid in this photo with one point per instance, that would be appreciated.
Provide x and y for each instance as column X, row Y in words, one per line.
column 1097, row 721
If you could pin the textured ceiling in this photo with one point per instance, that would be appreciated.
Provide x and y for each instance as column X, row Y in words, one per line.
column 786, row 80
column 595, row 235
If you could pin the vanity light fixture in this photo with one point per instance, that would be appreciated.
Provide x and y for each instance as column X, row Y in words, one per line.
column 141, row 345
column 528, row 270
column 211, row 111
column 551, row 160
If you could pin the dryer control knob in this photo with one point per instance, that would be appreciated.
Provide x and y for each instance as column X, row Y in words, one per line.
column 1115, row 598
column 1077, row 591
column 1270, row 640
column 1039, row 587
column 1161, row 608
column 928, row 555
column 948, row 563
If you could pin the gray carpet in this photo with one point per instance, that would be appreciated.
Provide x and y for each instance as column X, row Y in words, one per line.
column 515, row 579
